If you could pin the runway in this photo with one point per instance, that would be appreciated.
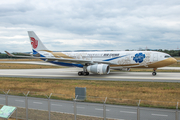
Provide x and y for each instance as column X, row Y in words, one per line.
column 71, row 73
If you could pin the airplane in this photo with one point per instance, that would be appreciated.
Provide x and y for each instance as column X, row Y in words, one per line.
column 99, row 62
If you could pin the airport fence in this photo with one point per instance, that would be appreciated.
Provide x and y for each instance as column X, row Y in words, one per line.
column 96, row 108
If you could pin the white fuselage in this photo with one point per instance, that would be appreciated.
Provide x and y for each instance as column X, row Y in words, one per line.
column 100, row 62
column 139, row 59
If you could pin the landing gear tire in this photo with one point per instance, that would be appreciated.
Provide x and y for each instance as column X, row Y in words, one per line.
column 86, row 73
column 83, row 73
column 154, row 73
column 80, row 73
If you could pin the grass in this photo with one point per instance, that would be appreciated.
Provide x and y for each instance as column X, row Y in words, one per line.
column 124, row 93
column 25, row 66
column 177, row 58
column 14, row 59
column 151, row 70
column 175, row 65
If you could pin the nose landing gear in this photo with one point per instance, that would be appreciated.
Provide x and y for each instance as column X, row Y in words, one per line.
column 154, row 73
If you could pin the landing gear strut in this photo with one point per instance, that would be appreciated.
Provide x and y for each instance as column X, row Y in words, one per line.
column 84, row 72
column 154, row 73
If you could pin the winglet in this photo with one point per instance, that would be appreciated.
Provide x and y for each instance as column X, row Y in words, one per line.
column 9, row 54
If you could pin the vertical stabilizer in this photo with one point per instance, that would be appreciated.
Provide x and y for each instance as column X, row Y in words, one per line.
column 36, row 43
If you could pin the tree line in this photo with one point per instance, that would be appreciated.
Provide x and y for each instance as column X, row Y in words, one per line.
column 173, row 53
column 4, row 55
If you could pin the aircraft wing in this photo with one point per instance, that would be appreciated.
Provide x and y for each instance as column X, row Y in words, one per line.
column 78, row 61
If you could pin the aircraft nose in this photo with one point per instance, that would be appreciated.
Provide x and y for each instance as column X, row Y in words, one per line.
column 172, row 60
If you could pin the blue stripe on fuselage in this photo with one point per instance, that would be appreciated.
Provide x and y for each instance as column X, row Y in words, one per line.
column 114, row 58
column 71, row 64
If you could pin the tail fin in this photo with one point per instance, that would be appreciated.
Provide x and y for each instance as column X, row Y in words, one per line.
column 36, row 43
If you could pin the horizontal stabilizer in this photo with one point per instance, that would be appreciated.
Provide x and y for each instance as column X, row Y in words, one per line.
column 9, row 54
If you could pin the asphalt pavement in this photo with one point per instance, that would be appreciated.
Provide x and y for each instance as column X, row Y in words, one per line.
column 92, row 109
column 71, row 73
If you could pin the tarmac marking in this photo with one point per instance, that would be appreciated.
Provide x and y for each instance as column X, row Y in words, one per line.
column 160, row 115
column 80, row 107
column 56, row 104
column 101, row 109
column 128, row 112
column 19, row 100
column 37, row 102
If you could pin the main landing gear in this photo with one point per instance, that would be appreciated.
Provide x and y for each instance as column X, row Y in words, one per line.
column 84, row 72
column 154, row 73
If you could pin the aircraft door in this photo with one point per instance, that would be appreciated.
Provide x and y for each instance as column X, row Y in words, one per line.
column 155, row 57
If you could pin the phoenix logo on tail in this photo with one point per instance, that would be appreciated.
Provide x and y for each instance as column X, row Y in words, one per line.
column 34, row 42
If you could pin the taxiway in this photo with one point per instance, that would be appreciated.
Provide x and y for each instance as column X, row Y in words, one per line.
column 71, row 73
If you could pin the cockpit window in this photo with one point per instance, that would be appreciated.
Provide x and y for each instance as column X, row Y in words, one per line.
column 167, row 56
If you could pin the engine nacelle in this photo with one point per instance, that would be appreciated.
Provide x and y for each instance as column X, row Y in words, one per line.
column 99, row 69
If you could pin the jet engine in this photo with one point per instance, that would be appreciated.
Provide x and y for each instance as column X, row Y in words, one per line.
column 99, row 69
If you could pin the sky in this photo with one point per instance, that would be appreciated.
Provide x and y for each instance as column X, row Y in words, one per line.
column 90, row 24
